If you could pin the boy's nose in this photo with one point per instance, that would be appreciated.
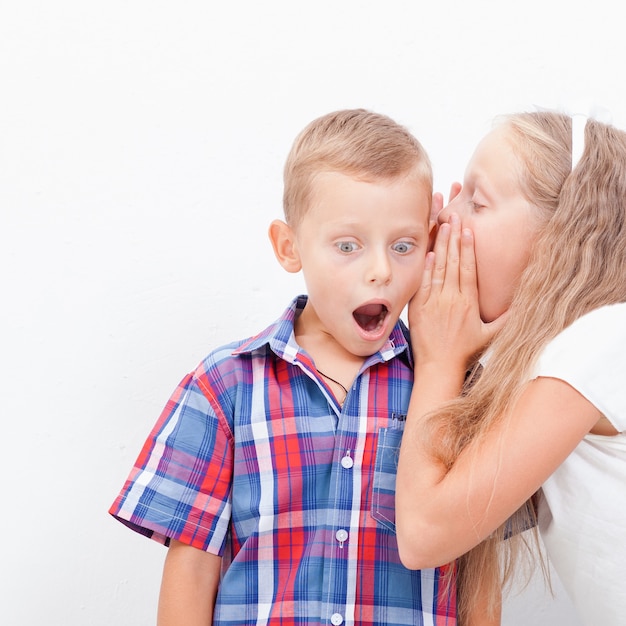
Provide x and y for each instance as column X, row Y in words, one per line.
column 379, row 270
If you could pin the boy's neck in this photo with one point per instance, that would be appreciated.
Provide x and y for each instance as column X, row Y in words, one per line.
column 328, row 355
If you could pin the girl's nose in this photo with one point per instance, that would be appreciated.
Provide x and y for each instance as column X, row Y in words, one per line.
column 454, row 205
column 444, row 215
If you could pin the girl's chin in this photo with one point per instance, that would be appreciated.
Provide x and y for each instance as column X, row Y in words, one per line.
column 491, row 314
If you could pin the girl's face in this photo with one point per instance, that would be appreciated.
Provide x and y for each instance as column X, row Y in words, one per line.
column 504, row 223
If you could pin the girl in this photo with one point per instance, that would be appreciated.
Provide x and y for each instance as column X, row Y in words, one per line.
column 531, row 235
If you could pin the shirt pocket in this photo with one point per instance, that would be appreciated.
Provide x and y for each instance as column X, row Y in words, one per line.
column 385, row 469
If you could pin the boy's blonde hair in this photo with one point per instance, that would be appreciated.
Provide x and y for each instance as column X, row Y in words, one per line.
column 355, row 142
column 577, row 263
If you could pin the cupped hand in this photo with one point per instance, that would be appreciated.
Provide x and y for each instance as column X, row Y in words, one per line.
column 444, row 316
column 436, row 207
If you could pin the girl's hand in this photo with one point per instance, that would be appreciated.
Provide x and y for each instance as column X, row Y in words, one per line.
column 444, row 316
column 436, row 207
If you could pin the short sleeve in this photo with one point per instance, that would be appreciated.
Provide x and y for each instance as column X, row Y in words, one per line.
column 179, row 487
column 590, row 355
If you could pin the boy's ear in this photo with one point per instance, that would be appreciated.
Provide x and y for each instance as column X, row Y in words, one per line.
column 284, row 243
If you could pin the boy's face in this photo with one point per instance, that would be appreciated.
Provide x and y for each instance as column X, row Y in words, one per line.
column 361, row 247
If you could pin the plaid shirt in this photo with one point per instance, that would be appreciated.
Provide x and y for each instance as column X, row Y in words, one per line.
column 253, row 459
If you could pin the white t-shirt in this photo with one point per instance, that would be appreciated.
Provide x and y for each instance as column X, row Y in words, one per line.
column 582, row 516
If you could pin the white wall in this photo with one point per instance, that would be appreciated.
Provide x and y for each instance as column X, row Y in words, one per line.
column 141, row 149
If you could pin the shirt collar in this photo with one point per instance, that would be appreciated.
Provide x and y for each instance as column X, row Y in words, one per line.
column 280, row 337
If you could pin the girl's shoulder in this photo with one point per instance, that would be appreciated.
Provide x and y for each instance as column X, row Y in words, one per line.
column 590, row 355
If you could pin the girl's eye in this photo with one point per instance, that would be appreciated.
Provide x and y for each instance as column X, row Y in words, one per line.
column 347, row 246
column 476, row 206
column 403, row 247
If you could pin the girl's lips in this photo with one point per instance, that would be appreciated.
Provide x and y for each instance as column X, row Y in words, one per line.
column 370, row 317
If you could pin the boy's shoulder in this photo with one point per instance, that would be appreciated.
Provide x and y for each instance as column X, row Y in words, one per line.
column 275, row 338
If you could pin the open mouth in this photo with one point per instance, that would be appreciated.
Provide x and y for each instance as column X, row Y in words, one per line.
column 370, row 317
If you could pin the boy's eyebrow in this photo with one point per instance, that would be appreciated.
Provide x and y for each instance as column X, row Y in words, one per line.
column 347, row 223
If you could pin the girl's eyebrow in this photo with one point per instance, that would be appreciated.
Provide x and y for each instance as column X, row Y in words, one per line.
column 482, row 185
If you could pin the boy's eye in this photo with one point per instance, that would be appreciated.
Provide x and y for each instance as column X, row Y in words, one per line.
column 475, row 206
column 347, row 246
column 402, row 247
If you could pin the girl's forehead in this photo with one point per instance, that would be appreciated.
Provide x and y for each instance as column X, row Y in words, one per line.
column 497, row 144
column 494, row 163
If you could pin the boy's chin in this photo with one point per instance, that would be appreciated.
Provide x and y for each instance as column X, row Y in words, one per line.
column 364, row 348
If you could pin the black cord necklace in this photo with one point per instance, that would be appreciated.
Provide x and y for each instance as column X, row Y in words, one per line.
column 336, row 383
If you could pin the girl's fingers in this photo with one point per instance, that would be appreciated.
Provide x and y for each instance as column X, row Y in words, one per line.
column 467, row 271
column 453, row 253
column 440, row 256
column 424, row 291
column 453, row 262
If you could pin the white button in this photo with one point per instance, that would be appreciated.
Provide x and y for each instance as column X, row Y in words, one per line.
column 347, row 462
column 336, row 619
column 341, row 535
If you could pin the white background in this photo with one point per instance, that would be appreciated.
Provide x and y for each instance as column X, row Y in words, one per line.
column 141, row 154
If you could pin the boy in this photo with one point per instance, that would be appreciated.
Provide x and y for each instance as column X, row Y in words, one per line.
column 271, row 472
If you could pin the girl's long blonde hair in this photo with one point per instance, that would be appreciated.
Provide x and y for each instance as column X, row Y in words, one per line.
column 577, row 263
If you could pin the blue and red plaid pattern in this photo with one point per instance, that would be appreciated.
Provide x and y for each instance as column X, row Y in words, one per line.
column 254, row 460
